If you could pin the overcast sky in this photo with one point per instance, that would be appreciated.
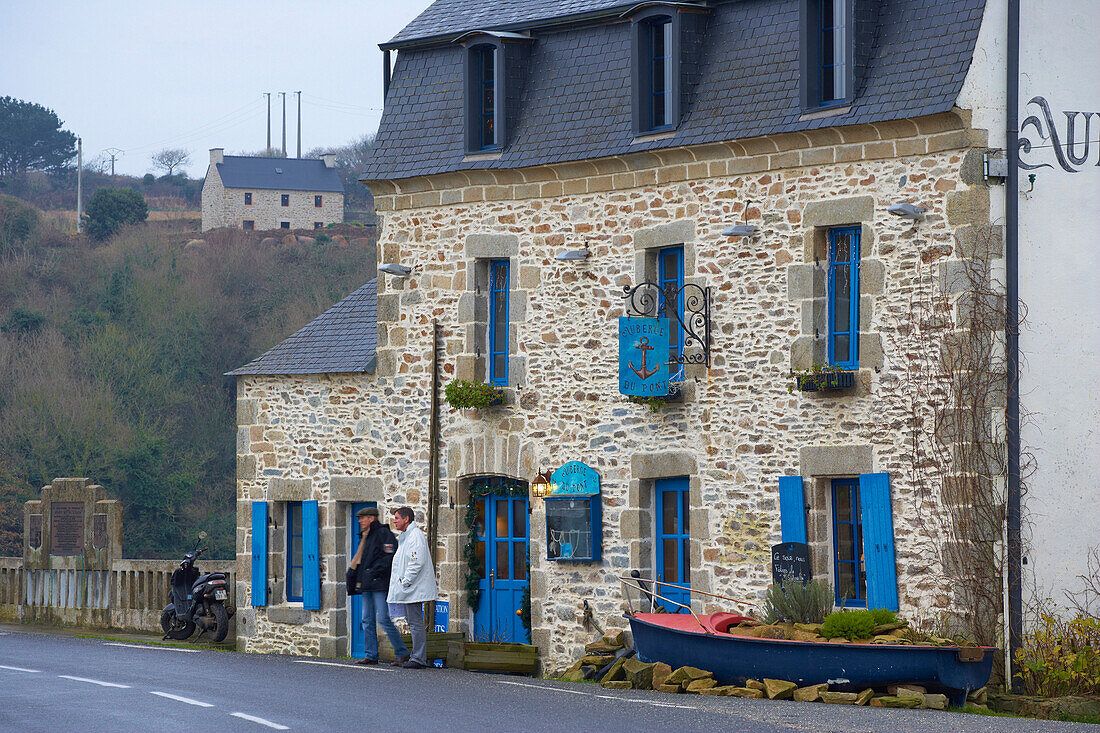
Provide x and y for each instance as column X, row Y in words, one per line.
column 143, row 75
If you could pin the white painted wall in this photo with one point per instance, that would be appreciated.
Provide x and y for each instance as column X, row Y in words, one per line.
column 1059, row 272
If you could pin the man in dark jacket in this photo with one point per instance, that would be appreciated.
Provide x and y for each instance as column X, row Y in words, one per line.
column 372, row 561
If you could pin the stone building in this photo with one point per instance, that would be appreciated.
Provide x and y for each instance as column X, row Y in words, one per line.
column 811, row 165
column 245, row 192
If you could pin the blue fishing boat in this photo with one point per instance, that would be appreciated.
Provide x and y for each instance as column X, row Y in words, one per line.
column 703, row 641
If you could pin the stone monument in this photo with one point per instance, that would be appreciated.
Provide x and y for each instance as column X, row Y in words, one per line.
column 72, row 526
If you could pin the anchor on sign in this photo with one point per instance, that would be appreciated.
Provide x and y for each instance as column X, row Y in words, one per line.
column 643, row 373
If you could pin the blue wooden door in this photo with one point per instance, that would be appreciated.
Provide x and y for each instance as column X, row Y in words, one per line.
column 355, row 613
column 502, row 540
column 673, row 541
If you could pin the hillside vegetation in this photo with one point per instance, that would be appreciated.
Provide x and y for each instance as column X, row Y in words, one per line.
column 113, row 359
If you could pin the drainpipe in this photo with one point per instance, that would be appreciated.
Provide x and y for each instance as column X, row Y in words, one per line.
column 1012, row 342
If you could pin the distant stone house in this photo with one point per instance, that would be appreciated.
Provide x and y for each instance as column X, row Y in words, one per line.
column 245, row 192
column 532, row 164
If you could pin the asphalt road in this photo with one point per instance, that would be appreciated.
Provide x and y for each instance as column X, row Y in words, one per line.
column 60, row 683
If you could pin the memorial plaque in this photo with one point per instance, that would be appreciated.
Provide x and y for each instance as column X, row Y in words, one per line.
column 35, row 540
column 791, row 560
column 66, row 528
column 99, row 531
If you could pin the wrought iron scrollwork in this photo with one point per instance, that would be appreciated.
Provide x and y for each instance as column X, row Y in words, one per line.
column 648, row 299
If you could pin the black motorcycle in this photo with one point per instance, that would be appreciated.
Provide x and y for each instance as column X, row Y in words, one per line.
column 197, row 601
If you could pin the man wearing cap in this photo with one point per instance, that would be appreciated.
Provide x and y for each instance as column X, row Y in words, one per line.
column 373, row 560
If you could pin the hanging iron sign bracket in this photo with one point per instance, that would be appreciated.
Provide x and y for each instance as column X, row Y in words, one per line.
column 647, row 299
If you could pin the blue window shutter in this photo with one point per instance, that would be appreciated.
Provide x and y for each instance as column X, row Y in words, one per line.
column 311, row 557
column 792, row 509
column 878, row 540
column 259, row 553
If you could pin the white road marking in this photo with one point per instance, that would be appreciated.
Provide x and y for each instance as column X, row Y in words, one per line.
column 637, row 700
column 261, row 721
column 18, row 669
column 375, row 667
column 151, row 646
column 177, row 698
column 101, row 683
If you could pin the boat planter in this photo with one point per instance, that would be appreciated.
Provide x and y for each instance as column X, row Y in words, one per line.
column 825, row 381
column 484, row 656
column 702, row 641
column 437, row 644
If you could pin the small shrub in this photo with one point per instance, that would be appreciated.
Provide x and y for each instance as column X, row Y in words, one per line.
column 1060, row 657
column 111, row 208
column 851, row 625
column 795, row 602
column 18, row 221
column 24, row 322
column 655, row 404
column 323, row 239
column 882, row 616
column 148, row 179
column 463, row 395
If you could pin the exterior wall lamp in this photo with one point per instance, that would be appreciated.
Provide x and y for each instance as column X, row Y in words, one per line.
column 540, row 486
column 741, row 230
column 908, row 211
column 573, row 254
column 392, row 268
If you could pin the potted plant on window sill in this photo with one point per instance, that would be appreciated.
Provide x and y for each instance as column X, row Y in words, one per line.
column 656, row 403
column 821, row 378
column 463, row 395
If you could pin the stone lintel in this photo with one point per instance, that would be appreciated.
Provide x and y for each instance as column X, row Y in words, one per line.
column 664, row 235
column 835, row 460
column 283, row 615
column 836, row 212
column 662, row 464
column 290, row 489
column 487, row 246
column 356, row 488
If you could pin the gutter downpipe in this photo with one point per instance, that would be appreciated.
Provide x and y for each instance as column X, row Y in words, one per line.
column 1012, row 344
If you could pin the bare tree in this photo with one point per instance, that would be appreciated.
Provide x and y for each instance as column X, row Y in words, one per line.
column 169, row 159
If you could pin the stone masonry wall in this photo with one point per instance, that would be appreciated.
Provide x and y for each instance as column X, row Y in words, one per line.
column 739, row 427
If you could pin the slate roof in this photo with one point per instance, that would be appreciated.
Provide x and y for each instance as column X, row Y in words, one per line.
column 297, row 174
column 575, row 102
column 342, row 339
column 451, row 17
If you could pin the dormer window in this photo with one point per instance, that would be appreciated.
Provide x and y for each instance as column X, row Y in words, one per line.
column 827, row 53
column 656, row 71
column 485, row 100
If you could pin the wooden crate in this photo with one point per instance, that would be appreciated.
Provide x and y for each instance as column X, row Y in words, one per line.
column 491, row 657
column 437, row 644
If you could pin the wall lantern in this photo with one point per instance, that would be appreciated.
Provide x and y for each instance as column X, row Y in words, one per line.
column 541, row 487
column 392, row 268
column 573, row 254
column 908, row 211
column 740, row 230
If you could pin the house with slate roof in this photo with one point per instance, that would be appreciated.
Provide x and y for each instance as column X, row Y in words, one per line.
column 809, row 198
column 259, row 193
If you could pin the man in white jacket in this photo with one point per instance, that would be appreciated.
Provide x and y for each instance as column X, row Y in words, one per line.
column 412, row 582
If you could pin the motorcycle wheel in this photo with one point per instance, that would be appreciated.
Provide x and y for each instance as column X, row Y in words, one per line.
column 174, row 628
column 222, row 619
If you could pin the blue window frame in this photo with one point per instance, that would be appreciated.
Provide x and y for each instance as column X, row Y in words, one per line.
column 849, row 568
column 670, row 277
column 673, row 551
column 294, row 553
column 659, row 37
column 843, row 337
column 498, row 322
column 833, row 61
column 485, row 57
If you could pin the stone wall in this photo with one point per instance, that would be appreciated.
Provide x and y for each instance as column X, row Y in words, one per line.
column 739, row 427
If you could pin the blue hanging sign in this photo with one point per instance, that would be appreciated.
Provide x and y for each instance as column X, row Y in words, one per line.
column 643, row 356
column 574, row 478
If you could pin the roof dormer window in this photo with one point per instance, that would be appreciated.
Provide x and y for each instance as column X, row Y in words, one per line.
column 828, row 62
column 656, row 71
column 485, row 63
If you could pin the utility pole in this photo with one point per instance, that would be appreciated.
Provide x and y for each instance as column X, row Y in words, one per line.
column 113, row 152
column 284, row 122
column 299, row 123
column 79, row 185
column 267, row 150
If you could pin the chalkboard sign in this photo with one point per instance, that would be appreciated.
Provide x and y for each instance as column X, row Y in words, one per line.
column 791, row 560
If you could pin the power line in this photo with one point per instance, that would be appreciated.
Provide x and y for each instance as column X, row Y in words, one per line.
column 230, row 118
